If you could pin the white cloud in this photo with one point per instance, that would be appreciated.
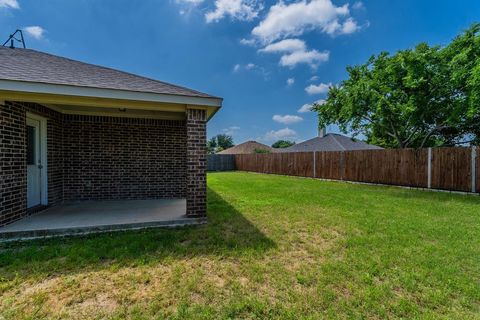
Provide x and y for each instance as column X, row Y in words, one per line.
column 286, row 119
column 248, row 42
column 294, row 19
column 251, row 67
column 287, row 45
column 191, row 2
column 187, row 6
column 305, row 108
column 231, row 130
column 308, row 107
column 12, row 4
column 349, row 26
column 290, row 81
column 358, row 5
column 35, row 31
column 295, row 52
column 318, row 89
column 312, row 58
column 282, row 134
column 245, row 10
column 314, row 78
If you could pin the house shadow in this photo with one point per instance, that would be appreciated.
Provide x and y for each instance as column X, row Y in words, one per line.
column 227, row 234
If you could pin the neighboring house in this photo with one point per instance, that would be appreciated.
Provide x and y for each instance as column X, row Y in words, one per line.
column 330, row 142
column 72, row 131
column 247, row 147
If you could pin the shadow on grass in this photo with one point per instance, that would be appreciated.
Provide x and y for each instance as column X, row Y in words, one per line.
column 228, row 233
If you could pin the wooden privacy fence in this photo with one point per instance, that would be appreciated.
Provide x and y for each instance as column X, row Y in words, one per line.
column 220, row 162
column 455, row 169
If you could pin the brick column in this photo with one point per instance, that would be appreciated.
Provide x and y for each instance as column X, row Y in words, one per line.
column 196, row 163
column 13, row 175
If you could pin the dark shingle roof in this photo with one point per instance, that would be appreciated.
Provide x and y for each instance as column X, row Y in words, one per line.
column 34, row 66
column 246, row 148
column 331, row 142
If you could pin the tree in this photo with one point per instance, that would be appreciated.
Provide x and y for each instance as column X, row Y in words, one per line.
column 212, row 145
column 225, row 141
column 283, row 144
column 426, row 96
column 219, row 142
column 257, row 150
column 463, row 57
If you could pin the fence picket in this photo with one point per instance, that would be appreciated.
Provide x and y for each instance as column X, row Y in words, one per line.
column 474, row 169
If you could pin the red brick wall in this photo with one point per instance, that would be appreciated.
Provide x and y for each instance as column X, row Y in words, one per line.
column 91, row 157
column 123, row 158
column 13, row 180
column 13, row 175
column 196, row 163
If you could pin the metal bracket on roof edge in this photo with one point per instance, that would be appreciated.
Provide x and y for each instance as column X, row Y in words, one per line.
column 12, row 39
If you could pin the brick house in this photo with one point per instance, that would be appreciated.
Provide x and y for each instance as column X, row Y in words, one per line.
column 72, row 131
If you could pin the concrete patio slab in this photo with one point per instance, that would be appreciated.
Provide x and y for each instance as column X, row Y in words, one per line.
column 99, row 216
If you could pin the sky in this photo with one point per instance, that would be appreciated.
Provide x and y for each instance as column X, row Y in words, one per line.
column 269, row 60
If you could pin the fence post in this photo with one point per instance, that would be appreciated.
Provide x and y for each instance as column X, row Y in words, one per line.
column 342, row 164
column 429, row 172
column 474, row 169
column 314, row 165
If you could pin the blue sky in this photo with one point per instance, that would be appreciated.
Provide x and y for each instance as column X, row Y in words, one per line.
column 267, row 59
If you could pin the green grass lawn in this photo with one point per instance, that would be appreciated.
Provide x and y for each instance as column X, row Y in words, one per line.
column 274, row 247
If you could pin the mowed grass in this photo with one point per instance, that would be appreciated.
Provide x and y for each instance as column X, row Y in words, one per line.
column 274, row 247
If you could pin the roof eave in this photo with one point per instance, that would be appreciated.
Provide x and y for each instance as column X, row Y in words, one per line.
column 47, row 92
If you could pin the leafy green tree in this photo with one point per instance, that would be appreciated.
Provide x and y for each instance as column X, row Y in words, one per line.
column 426, row 96
column 225, row 141
column 219, row 143
column 260, row 151
column 463, row 58
column 282, row 144
column 212, row 145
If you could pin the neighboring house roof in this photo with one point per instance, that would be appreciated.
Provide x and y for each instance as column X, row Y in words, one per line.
column 35, row 66
column 247, row 148
column 331, row 142
column 33, row 76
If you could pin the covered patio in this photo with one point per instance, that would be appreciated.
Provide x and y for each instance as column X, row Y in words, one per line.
column 100, row 216
column 88, row 149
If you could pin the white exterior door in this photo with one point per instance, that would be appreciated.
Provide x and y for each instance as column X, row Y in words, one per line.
column 34, row 163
